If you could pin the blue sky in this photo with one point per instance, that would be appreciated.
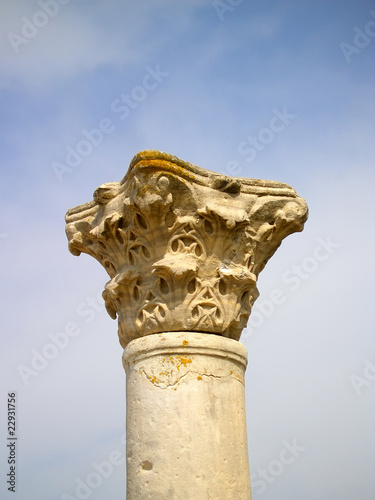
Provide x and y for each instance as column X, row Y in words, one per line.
column 222, row 75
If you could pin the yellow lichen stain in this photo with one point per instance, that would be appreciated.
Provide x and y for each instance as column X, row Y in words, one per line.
column 231, row 371
column 177, row 361
column 199, row 377
column 183, row 361
column 160, row 166
column 153, row 379
column 168, row 166
column 185, row 343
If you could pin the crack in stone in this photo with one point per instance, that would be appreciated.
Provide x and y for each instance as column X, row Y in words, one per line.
column 154, row 379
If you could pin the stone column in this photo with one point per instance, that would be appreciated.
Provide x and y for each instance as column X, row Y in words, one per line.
column 186, row 423
column 183, row 247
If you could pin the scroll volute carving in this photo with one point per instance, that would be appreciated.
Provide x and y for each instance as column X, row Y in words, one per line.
column 183, row 246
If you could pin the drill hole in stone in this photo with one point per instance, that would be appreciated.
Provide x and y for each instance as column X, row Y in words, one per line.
column 119, row 237
column 145, row 251
column 245, row 297
column 131, row 258
column 121, row 223
column 147, row 465
column 191, row 286
column 164, row 288
column 222, row 287
column 208, row 227
column 198, row 251
column 109, row 267
column 141, row 221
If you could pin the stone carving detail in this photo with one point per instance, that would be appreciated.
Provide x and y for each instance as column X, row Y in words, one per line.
column 183, row 246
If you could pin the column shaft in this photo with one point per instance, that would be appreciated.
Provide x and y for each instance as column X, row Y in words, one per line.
column 186, row 424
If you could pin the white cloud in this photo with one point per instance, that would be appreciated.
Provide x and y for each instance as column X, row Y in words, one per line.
column 83, row 37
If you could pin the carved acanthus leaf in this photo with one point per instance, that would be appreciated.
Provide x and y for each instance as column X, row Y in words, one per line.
column 183, row 246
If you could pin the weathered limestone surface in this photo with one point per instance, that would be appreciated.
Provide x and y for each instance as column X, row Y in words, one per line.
column 186, row 424
column 183, row 246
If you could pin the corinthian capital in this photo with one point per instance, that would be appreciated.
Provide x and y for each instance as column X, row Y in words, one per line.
column 183, row 246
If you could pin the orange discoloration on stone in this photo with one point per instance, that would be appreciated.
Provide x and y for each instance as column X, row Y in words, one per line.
column 183, row 360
